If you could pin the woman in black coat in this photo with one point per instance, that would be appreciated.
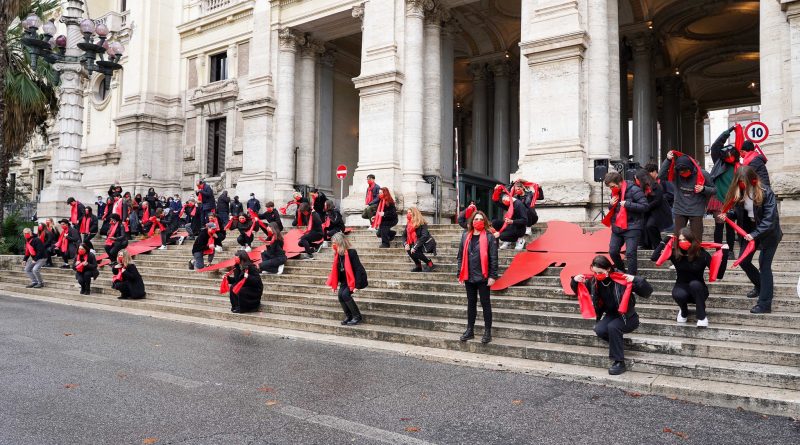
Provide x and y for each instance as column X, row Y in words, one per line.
column 418, row 241
column 243, row 224
column 658, row 215
column 117, row 239
column 308, row 219
column 48, row 235
column 385, row 217
column 510, row 227
column 85, row 267
column 273, row 258
column 333, row 222
column 757, row 212
column 272, row 215
column 67, row 242
column 246, row 298
column 477, row 270
column 347, row 274
column 127, row 279
column 152, row 199
column 223, row 208
column 607, row 295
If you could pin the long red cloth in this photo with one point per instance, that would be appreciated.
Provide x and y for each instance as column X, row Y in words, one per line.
column 751, row 245
column 155, row 223
column 62, row 244
column 376, row 222
column 224, row 286
column 112, row 232
column 622, row 215
column 29, row 250
column 483, row 244
column 73, row 212
column 85, row 222
column 508, row 215
column 700, row 180
column 411, row 232
column 333, row 277
column 585, row 298
column 716, row 258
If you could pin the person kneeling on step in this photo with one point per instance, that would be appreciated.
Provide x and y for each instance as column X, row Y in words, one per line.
column 126, row 278
column 511, row 227
column 418, row 241
column 347, row 275
column 85, row 268
column 313, row 229
column 477, row 271
column 273, row 258
column 245, row 284
column 203, row 245
column 614, row 304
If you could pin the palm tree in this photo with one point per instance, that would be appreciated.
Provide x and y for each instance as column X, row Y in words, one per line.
column 29, row 96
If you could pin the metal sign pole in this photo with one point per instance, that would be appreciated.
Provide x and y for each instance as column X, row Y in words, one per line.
column 341, row 192
column 458, row 181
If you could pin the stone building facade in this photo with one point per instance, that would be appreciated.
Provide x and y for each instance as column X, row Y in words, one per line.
column 269, row 96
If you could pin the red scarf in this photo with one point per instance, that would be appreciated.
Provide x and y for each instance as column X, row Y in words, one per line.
column 378, row 217
column 716, row 258
column 411, row 232
column 127, row 226
column 256, row 220
column 211, row 245
column 62, row 244
column 107, row 211
column 118, row 275
column 73, row 213
column 585, row 298
column 183, row 210
column 112, row 232
column 368, row 199
column 41, row 233
column 238, row 286
column 118, row 207
column 469, row 211
column 333, row 278
column 751, row 245
column 79, row 261
column 85, row 224
column 199, row 195
column 483, row 243
column 155, row 223
column 750, row 155
column 252, row 228
column 146, row 214
column 230, row 223
column 499, row 191
column 508, row 215
column 738, row 139
column 326, row 224
column 622, row 216
column 701, row 180
column 224, row 286
column 29, row 250
column 535, row 188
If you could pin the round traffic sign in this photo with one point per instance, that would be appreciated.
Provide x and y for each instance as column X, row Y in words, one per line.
column 757, row 132
column 341, row 171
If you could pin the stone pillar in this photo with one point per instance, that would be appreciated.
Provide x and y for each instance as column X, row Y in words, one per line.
column 670, row 127
column 432, row 159
column 699, row 137
column 307, row 113
column 448, row 203
column 643, row 119
column 688, row 128
column 786, row 182
column 324, row 178
column 625, row 137
column 284, row 115
column 66, row 158
column 501, row 149
column 602, row 59
column 478, row 158
column 514, row 122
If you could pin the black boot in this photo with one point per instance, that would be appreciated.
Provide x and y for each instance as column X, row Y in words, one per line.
column 348, row 315
column 753, row 293
column 468, row 334
column 417, row 267
column 617, row 368
column 357, row 318
column 487, row 336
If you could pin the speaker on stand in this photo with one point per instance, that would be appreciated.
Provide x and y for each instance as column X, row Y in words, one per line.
column 600, row 171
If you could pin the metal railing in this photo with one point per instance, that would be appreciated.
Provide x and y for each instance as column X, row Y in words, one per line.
column 26, row 210
column 214, row 5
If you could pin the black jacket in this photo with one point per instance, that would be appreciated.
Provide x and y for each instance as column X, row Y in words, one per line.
column 658, row 212
column 316, row 222
column 319, row 203
column 375, row 190
column 152, row 200
column 720, row 166
column 39, row 248
column 767, row 221
column 201, row 242
column 92, row 224
column 640, row 287
column 170, row 222
column 474, row 259
column 688, row 271
column 50, row 236
column 81, row 213
column 208, row 197
column 389, row 215
column 336, row 220
column 273, row 217
column 360, row 274
column 91, row 265
column 425, row 241
column 223, row 204
column 250, row 294
column 120, row 237
column 274, row 250
column 236, row 208
column 132, row 285
column 636, row 205
column 759, row 164
column 687, row 202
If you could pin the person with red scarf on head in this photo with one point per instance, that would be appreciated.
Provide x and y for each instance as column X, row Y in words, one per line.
column 332, row 222
column 371, row 200
column 76, row 211
column 48, row 235
column 88, row 228
column 418, row 241
column 625, row 213
column 658, row 215
column 273, row 258
column 693, row 189
column 244, row 285
column 608, row 296
column 85, row 267
column 347, row 274
column 67, row 242
column 34, row 259
column 510, row 226
column 272, row 215
column 126, row 278
column 466, row 214
column 117, row 238
column 477, row 271
column 757, row 213
column 311, row 224
column 203, row 245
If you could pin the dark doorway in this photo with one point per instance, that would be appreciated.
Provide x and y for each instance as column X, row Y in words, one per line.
column 216, row 147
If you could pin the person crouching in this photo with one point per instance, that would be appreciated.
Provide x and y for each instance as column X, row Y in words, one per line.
column 273, row 258
column 34, row 259
column 418, row 241
column 245, row 284
column 347, row 275
column 127, row 279
column 313, row 228
column 203, row 245
column 85, row 267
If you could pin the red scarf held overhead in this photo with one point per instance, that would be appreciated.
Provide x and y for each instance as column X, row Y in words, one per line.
column 376, row 222
column 154, row 222
column 701, row 180
column 622, row 215
column 79, row 262
column 739, row 138
column 469, row 211
column 585, row 298
column 716, row 258
column 85, row 224
column 73, row 213
column 62, row 244
column 535, row 188
column 112, row 232
column 499, row 191
column 411, row 232
column 483, row 243
column 118, row 276
column 508, row 215
column 333, row 277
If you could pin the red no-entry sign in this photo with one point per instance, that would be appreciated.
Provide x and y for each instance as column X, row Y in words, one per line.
column 341, row 171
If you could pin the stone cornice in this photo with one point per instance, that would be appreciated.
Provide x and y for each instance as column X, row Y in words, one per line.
column 555, row 48
column 256, row 107
column 377, row 83
column 111, row 155
column 216, row 91
column 223, row 17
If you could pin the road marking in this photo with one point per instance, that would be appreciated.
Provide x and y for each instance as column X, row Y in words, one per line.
column 21, row 338
column 84, row 355
column 347, row 426
column 175, row 380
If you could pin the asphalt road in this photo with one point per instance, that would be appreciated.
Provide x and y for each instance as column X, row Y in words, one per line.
column 71, row 375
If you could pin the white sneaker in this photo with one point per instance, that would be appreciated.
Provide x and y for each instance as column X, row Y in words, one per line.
column 280, row 269
column 683, row 319
column 92, row 251
column 324, row 245
column 528, row 231
column 702, row 323
column 247, row 248
column 672, row 267
column 505, row 245
column 520, row 244
column 180, row 240
column 218, row 249
column 163, row 247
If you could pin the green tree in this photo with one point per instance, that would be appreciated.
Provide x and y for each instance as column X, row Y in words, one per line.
column 29, row 97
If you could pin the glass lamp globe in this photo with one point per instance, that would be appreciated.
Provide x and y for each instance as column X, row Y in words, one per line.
column 101, row 30
column 33, row 21
column 49, row 28
column 117, row 48
column 87, row 26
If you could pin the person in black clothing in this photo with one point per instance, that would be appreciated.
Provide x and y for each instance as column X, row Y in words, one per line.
column 221, row 233
column 608, row 295
column 347, row 274
column 205, row 200
column 68, row 240
column 169, row 220
column 317, row 199
column 151, row 198
column 236, row 207
column 253, row 203
column 525, row 191
column 223, row 208
column 757, row 160
column 48, row 235
column 273, row 258
column 246, row 298
column 666, row 186
column 658, row 216
column 757, row 211
column 101, row 206
column 333, row 222
column 625, row 213
column 34, row 259
column 127, row 279
column 117, row 239
column 85, row 267
column 203, row 245
column 271, row 215
column 510, row 227
column 244, row 225
column 371, row 199
column 106, row 216
column 313, row 228
column 191, row 214
column 385, row 217
column 76, row 211
column 418, row 241
column 726, row 162
column 477, row 270
column 88, row 228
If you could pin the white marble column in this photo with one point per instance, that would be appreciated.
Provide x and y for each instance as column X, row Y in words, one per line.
column 787, row 182
column 643, row 119
column 306, row 115
column 501, row 149
column 325, row 129
column 285, row 115
column 433, row 93
column 479, row 159
column 447, row 103
column 625, row 137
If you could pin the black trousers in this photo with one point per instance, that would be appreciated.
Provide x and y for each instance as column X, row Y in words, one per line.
column 113, row 249
column 167, row 239
column 473, row 290
column 243, row 306
column 85, row 279
column 418, row 257
column 87, row 239
column 221, row 235
column 386, row 234
column 70, row 253
column 244, row 240
column 271, row 265
column 611, row 328
column 693, row 292
column 306, row 240
column 730, row 234
column 630, row 238
column 512, row 232
column 328, row 233
column 651, row 235
column 761, row 277
column 695, row 223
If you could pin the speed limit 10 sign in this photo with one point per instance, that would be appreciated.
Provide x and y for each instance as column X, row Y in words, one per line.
column 757, row 132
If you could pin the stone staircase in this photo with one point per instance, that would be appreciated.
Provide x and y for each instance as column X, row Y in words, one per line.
column 740, row 360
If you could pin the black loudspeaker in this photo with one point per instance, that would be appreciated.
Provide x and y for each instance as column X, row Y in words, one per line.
column 600, row 169
column 630, row 170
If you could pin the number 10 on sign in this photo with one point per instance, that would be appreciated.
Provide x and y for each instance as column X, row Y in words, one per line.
column 756, row 132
